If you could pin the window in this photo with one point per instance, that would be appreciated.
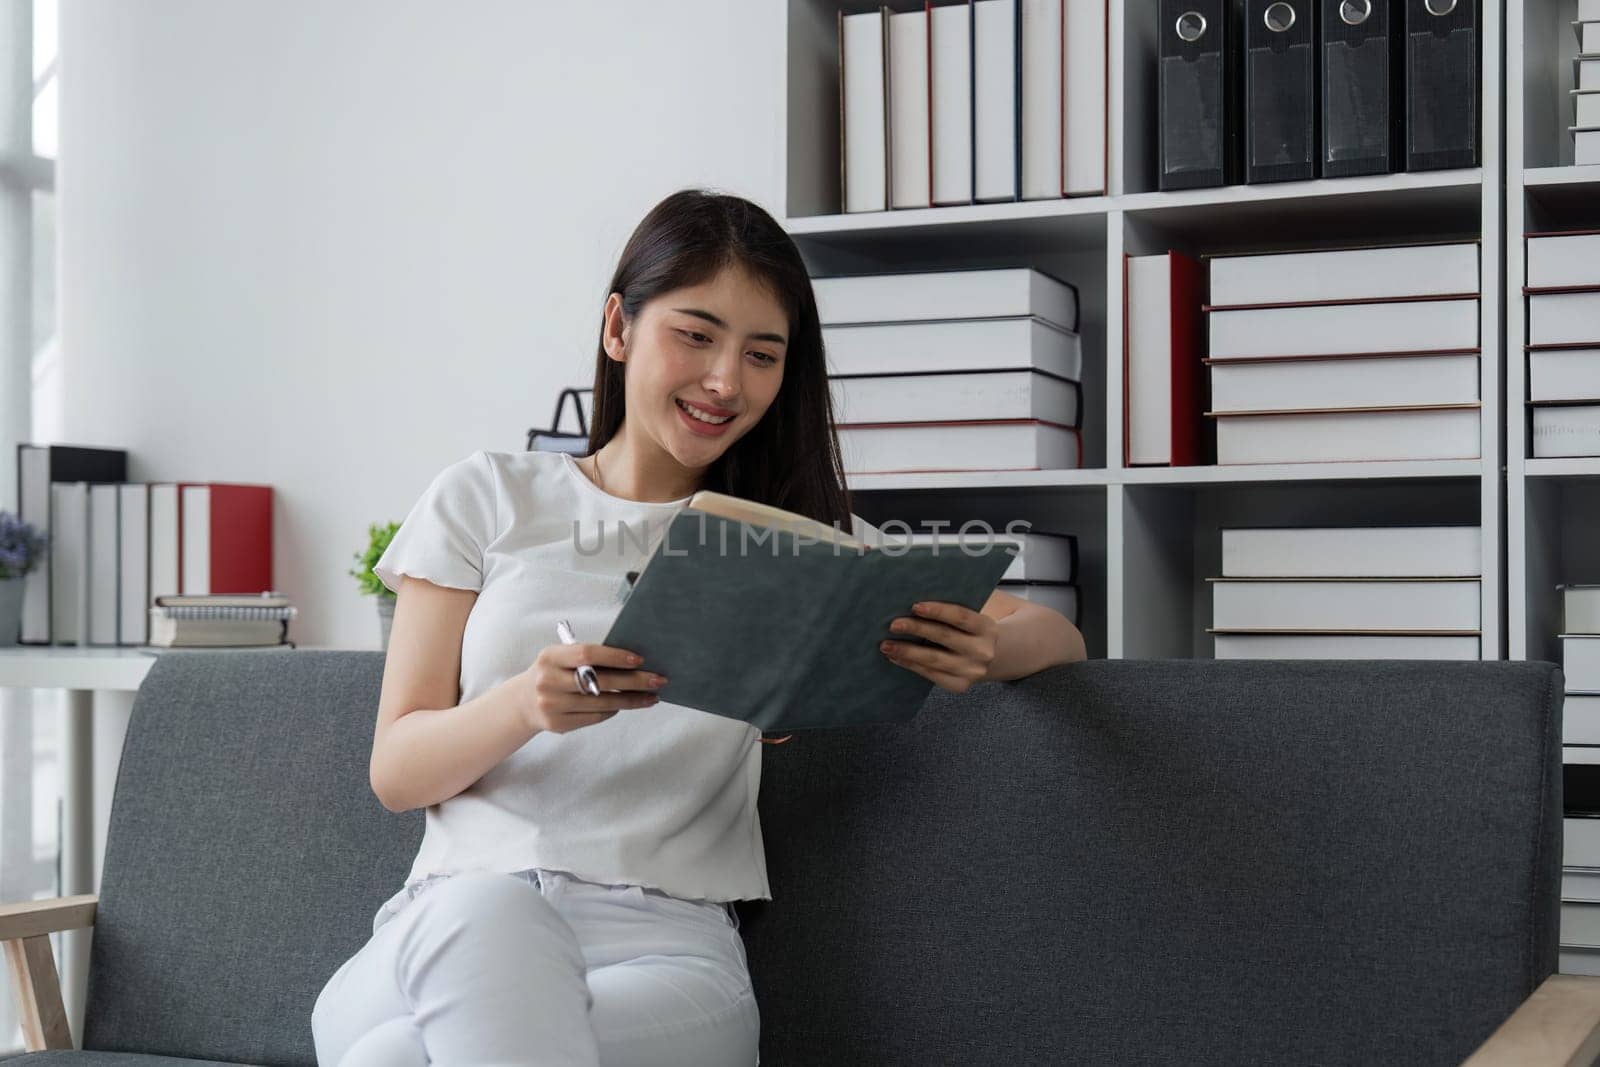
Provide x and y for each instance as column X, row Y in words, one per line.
column 30, row 772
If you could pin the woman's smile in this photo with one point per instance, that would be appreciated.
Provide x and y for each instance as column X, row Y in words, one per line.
column 697, row 426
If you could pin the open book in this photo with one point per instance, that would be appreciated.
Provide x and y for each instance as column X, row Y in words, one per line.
column 773, row 618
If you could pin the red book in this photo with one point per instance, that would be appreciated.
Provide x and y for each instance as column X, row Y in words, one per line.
column 224, row 538
column 1180, row 320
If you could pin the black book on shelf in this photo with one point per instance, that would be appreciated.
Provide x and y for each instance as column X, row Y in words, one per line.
column 1363, row 86
column 1280, row 90
column 1442, row 120
column 1580, row 789
column 1197, row 93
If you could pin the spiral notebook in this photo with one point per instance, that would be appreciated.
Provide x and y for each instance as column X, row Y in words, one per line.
column 762, row 615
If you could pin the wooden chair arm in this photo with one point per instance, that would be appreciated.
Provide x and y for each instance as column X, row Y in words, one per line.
column 25, row 931
column 34, row 917
column 1558, row 1024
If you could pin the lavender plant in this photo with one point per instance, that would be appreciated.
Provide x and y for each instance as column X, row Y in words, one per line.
column 21, row 546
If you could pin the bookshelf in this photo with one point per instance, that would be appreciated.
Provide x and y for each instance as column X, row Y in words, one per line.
column 1148, row 536
column 1552, row 505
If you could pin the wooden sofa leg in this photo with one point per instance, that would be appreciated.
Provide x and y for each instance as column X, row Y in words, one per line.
column 38, row 990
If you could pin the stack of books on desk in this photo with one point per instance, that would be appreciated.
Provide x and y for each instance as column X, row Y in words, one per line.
column 1580, row 758
column 116, row 547
column 1044, row 571
column 1585, row 128
column 1563, row 294
column 1349, row 354
column 953, row 370
column 221, row 621
column 1401, row 592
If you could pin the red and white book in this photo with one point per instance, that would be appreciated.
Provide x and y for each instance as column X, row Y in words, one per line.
column 1564, row 318
column 1566, row 430
column 950, row 61
column 910, row 167
column 1012, row 444
column 1345, row 646
column 1084, row 139
column 1161, row 360
column 1353, row 552
column 957, row 396
column 1564, row 374
column 996, row 106
column 1449, row 431
column 1580, row 719
column 133, row 622
column 1580, row 662
column 1374, row 605
column 1580, row 609
column 1563, row 259
column 941, row 295
column 224, row 538
column 864, row 118
column 1344, row 382
column 957, row 345
column 1448, row 324
column 1345, row 275
column 104, row 562
column 1043, row 94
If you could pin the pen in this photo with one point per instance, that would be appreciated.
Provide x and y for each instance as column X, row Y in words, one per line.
column 587, row 682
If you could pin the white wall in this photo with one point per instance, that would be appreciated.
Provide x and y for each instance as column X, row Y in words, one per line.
column 335, row 247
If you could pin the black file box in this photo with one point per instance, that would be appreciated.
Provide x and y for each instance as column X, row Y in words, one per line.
column 1442, row 72
column 1363, row 87
column 1197, row 93
column 1280, row 90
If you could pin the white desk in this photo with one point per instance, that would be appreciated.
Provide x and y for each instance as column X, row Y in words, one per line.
column 100, row 684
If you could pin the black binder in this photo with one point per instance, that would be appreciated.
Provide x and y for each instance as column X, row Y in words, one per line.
column 1442, row 121
column 1280, row 90
column 1363, row 84
column 1197, row 93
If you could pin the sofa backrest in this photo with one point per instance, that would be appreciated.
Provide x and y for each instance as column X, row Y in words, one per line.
column 1109, row 862
column 1167, row 862
column 245, row 856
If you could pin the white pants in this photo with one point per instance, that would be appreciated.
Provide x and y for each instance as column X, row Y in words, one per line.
column 539, row 967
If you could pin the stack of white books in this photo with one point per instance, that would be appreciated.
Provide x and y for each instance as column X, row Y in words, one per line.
column 977, row 102
column 1563, row 294
column 1045, row 570
column 1399, row 592
column 1580, row 738
column 964, row 370
column 1349, row 354
column 1586, row 75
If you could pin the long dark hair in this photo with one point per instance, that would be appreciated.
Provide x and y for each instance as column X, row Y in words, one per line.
column 790, row 459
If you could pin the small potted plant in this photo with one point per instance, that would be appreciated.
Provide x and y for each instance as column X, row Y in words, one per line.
column 22, row 549
column 371, row 585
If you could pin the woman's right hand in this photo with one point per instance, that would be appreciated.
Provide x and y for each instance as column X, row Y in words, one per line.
column 550, row 699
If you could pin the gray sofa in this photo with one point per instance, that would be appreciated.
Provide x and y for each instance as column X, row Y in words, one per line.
column 1107, row 863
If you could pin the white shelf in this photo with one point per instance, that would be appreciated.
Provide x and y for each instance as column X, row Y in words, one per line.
column 1565, row 467
column 1239, row 474
column 1589, row 175
column 1149, row 536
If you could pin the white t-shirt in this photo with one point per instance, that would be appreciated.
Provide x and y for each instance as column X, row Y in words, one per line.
column 664, row 796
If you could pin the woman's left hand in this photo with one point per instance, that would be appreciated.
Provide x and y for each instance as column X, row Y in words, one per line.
column 967, row 639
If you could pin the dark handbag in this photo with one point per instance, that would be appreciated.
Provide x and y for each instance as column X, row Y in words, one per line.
column 557, row 440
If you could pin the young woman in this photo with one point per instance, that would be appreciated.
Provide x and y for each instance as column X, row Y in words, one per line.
column 571, row 902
